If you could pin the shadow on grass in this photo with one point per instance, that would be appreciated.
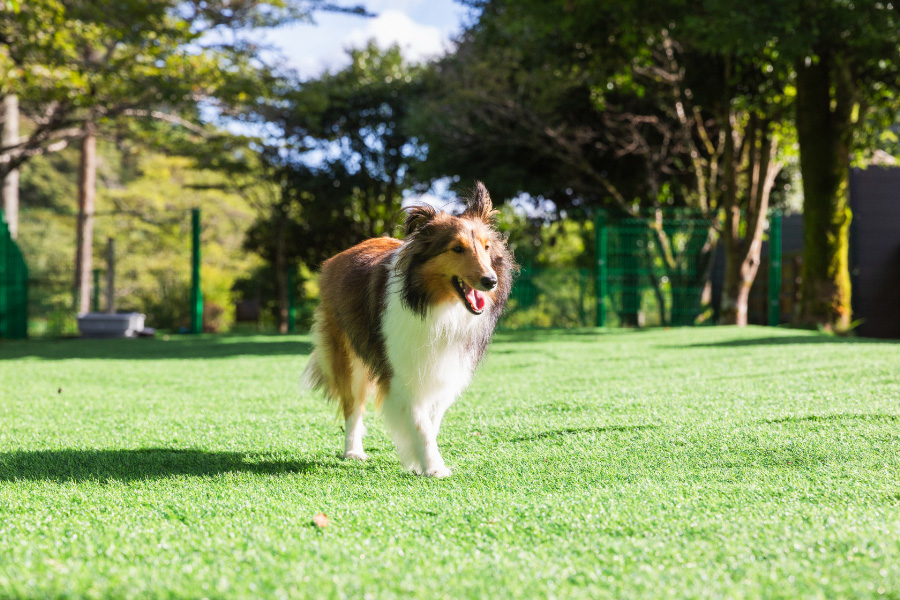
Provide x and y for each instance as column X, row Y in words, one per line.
column 783, row 341
column 831, row 418
column 579, row 430
column 541, row 335
column 178, row 347
column 143, row 463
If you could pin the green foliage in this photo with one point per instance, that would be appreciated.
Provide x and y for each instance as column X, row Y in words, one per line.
column 555, row 287
column 551, row 297
column 145, row 208
column 84, row 61
column 538, row 242
column 687, row 463
column 151, row 222
column 348, row 158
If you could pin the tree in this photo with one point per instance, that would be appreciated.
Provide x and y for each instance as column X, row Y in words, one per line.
column 847, row 61
column 627, row 106
column 843, row 60
column 80, row 66
column 145, row 204
column 341, row 161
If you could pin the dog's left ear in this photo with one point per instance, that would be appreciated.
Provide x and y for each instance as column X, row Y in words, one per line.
column 418, row 215
column 480, row 206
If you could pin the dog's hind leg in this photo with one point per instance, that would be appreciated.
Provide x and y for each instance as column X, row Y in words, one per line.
column 343, row 376
column 354, row 406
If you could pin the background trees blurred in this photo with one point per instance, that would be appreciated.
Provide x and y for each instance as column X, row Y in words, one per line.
column 565, row 107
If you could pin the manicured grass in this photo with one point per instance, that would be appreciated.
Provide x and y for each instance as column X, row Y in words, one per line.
column 686, row 463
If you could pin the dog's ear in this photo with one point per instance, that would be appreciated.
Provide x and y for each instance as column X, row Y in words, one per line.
column 480, row 205
column 418, row 215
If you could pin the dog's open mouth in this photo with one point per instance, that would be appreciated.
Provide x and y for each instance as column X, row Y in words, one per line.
column 472, row 298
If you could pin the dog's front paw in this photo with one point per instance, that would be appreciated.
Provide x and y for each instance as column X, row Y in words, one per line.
column 439, row 472
column 355, row 455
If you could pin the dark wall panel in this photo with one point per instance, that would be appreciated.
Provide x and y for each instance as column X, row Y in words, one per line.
column 875, row 250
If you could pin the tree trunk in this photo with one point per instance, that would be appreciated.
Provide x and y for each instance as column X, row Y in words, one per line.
column 10, row 137
column 84, row 233
column 742, row 259
column 732, row 311
column 824, row 127
column 740, row 272
column 742, row 254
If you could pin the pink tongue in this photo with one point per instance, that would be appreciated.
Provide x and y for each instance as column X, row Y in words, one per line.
column 476, row 298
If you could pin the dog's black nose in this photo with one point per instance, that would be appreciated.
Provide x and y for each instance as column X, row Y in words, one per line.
column 489, row 281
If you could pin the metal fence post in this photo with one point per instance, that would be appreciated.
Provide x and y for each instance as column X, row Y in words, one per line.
column 600, row 237
column 196, row 293
column 95, row 293
column 23, row 329
column 5, row 278
column 13, row 287
column 775, row 268
column 292, row 310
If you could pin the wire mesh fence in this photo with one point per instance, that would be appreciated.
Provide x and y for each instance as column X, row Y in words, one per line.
column 657, row 267
column 651, row 269
column 13, row 287
column 543, row 298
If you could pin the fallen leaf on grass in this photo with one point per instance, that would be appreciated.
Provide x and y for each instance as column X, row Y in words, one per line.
column 320, row 520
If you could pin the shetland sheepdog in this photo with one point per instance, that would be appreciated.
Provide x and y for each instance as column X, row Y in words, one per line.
column 409, row 321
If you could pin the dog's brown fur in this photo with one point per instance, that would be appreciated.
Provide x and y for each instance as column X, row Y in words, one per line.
column 350, row 359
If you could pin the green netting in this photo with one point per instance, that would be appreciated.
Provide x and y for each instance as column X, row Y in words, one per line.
column 13, row 287
column 551, row 298
column 657, row 266
column 651, row 270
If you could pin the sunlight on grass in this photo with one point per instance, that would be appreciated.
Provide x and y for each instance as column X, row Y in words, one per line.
column 700, row 462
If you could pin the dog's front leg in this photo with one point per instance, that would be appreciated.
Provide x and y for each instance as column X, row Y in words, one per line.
column 432, row 459
column 409, row 422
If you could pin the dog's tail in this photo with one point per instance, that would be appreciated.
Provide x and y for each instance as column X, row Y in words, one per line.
column 312, row 377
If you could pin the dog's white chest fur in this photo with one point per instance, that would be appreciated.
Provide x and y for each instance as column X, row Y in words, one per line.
column 430, row 357
column 432, row 362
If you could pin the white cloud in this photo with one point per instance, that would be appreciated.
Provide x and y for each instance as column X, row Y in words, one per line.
column 422, row 28
column 377, row 6
column 439, row 196
column 418, row 42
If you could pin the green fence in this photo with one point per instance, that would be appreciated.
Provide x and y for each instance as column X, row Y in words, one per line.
column 543, row 298
column 651, row 269
column 656, row 268
column 13, row 287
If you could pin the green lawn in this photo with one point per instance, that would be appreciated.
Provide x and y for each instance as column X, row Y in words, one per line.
column 686, row 463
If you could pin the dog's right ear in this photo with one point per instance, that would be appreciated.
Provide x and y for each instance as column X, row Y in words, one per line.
column 418, row 215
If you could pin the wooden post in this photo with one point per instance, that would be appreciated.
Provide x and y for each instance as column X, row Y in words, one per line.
column 10, row 137
column 84, row 234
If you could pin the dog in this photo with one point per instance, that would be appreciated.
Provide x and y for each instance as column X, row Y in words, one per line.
column 410, row 321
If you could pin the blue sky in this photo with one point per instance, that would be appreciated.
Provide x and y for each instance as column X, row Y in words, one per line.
column 422, row 28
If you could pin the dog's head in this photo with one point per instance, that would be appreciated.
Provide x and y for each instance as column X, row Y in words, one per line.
column 460, row 258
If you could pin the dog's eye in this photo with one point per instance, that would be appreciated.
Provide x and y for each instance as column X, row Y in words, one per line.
column 457, row 249
column 487, row 247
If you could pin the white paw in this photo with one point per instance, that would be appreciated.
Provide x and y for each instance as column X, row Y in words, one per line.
column 439, row 472
column 355, row 455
